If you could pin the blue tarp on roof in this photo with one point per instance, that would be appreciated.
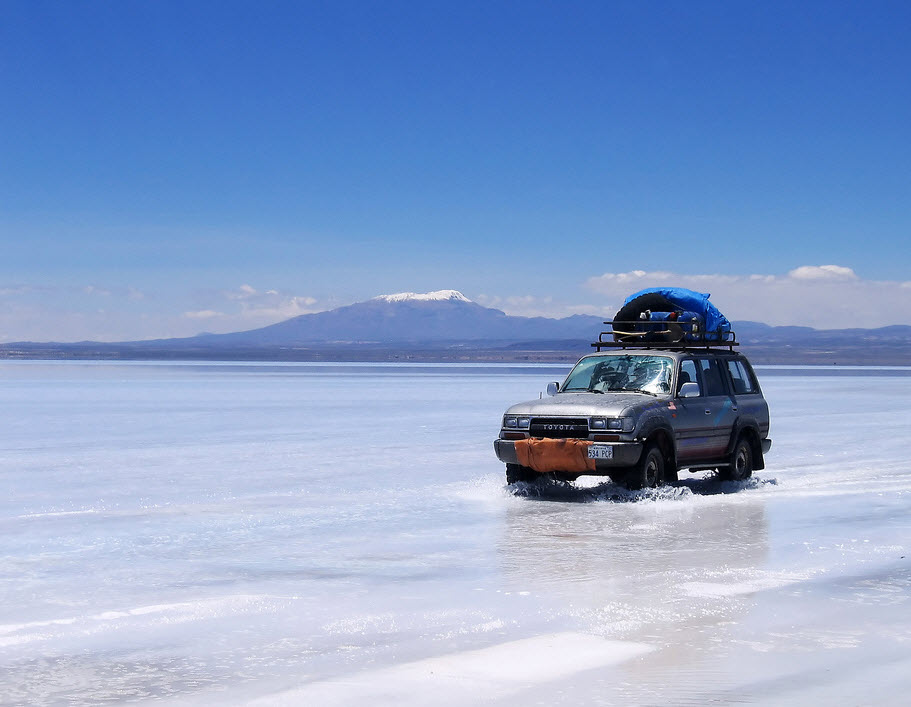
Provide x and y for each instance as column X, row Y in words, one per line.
column 690, row 301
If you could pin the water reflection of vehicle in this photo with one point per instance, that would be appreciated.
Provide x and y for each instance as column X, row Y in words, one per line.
column 638, row 571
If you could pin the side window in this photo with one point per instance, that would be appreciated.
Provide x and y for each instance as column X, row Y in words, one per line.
column 711, row 377
column 688, row 373
column 741, row 378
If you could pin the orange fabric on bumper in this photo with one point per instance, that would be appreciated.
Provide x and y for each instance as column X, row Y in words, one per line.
column 555, row 454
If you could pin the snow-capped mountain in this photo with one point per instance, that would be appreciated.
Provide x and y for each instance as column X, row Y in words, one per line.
column 438, row 296
column 409, row 317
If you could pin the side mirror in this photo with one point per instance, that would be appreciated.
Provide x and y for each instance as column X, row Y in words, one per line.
column 689, row 390
column 552, row 388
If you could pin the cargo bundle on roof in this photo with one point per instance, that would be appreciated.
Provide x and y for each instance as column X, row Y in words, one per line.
column 668, row 315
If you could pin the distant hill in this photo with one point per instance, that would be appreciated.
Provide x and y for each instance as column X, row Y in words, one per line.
column 446, row 325
column 890, row 345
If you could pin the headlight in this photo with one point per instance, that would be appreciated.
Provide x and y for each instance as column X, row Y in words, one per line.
column 523, row 423
column 510, row 421
column 516, row 422
column 615, row 424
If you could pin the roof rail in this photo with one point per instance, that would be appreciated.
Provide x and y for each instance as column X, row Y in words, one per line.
column 666, row 335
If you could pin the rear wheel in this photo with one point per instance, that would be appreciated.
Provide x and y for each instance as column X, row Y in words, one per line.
column 649, row 472
column 517, row 472
column 741, row 464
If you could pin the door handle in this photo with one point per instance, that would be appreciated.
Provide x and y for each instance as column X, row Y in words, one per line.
column 734, row 408
column 708, row 412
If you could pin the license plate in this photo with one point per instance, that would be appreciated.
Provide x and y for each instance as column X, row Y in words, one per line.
column 600, row 452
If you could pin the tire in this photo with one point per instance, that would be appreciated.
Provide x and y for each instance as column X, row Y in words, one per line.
column 651, row 300
column 740, row 467
column 649, row 471
column 561, row 476
column 630, row 312
column 517, row 472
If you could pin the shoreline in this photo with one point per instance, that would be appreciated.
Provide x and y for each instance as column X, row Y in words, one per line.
column 758, row 354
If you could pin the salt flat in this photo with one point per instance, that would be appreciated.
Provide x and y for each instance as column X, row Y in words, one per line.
column 342, row 534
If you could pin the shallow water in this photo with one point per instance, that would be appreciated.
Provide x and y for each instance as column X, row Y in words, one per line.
column 331, row 534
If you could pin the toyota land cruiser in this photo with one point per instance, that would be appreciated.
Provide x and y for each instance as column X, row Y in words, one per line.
column 641, row 413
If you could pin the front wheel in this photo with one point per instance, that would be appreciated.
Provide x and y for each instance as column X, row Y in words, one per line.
column 517, row 472
column 741, row 465
column 649, row 472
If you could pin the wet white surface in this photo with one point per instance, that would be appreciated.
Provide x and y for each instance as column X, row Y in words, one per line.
column 341, row 534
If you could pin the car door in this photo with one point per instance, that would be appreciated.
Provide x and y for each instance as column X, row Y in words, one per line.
column 689, row 415
column 704, row 423
column 720, row 411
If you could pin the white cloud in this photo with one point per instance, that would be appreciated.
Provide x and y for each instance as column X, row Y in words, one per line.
column 278, row 307
column 590, row 309
column 242, row 293
column 203, row 314
column 822, row 272
column 93, row 290
column 15, row 290
column 544, row 306
column 71, row 312
column 249, row 308
column 519, row 305
column 821, row 296
column 270, row 304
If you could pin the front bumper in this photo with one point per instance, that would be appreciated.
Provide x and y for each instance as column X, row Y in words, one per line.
column 624, row 454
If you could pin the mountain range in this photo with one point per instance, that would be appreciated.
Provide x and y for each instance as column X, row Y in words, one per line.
column 446, row 325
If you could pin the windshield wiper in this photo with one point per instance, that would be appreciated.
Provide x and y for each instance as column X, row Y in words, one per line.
column 639, row 390
column 595, row 390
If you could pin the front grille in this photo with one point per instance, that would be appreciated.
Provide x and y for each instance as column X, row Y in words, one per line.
column 559, row 427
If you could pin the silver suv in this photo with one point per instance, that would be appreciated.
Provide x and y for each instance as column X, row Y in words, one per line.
column 639, row 415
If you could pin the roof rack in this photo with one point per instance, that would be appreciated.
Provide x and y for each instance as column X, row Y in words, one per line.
column 665, row 335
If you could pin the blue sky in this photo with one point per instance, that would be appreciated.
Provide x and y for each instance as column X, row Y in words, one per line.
column 169, row 167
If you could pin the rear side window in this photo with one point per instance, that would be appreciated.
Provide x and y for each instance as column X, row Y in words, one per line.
column 741, row 379
column 711, row 376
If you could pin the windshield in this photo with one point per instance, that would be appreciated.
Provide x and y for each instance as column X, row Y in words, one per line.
column 643, row 374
